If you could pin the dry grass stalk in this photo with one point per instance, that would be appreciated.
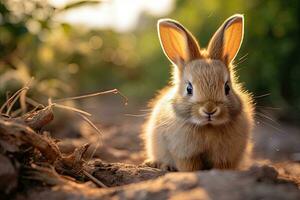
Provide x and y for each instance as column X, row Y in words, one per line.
column 97, row 130
column 13, row 99
column 33, row 102
column 113, row 91
column 23, row 104
column 70, row 109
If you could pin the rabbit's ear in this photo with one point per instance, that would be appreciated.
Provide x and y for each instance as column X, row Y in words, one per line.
column 178, row 43
column 226, row 42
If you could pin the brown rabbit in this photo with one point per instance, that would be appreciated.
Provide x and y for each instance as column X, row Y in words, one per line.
column 204, row 119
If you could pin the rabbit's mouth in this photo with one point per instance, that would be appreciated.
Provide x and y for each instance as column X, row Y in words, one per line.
column 209, row 119
column 202, row 121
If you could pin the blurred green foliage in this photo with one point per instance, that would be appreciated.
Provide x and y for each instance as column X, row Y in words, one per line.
column 67, row 60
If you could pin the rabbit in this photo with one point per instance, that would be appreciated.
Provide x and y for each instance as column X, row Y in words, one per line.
column 204, row 118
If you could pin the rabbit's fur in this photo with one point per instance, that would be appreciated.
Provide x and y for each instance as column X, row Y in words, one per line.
column 180, row 135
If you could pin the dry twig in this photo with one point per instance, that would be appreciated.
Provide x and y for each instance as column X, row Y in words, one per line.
column 92, row 178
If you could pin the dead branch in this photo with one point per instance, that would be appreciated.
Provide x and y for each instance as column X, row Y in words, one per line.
column 37, row 119
column 27, row 135
column 45, row 174
column 72, row 164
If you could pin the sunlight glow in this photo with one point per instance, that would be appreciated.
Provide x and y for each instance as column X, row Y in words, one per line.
column 119, row 15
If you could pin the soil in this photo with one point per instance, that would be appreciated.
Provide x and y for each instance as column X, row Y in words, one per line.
column 274, row 172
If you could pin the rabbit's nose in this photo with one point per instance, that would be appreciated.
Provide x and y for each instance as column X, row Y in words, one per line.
column 209, row 112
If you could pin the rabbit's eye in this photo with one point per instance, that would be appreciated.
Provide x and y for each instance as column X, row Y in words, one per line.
column 227, row 88
column 189, row 89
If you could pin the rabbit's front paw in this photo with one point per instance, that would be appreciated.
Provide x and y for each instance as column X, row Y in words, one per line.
column 159, row 165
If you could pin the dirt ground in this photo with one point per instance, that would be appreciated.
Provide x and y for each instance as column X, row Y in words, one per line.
column 274, row 173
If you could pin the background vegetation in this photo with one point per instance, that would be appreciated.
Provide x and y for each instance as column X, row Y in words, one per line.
column 67, row 60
